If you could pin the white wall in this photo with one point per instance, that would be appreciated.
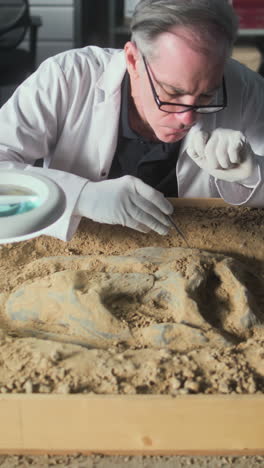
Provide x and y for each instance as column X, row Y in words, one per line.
column 56, row 33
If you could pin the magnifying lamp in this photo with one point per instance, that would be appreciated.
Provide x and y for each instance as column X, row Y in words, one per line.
column 28, row 204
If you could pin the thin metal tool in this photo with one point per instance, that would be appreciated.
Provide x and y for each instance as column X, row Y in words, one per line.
column 179, row 231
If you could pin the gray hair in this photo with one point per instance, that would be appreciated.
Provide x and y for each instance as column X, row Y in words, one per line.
column 210, row 19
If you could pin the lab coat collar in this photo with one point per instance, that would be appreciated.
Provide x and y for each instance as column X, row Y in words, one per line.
column 116, row 70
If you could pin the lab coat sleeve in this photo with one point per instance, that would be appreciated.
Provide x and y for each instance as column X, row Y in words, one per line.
column 30, row 125
column 252, row 125
column 236, row 193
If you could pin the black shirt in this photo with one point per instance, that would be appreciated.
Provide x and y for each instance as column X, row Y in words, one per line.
column 152, row 162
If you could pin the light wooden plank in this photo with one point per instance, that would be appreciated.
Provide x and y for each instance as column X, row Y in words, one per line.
column 10, row 428
column 140, row 424
column 199, row 202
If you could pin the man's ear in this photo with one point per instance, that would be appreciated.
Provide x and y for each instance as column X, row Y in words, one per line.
column 132, row 56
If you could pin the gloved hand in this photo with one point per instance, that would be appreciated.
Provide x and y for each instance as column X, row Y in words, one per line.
column 127, row 201
column 224, row 153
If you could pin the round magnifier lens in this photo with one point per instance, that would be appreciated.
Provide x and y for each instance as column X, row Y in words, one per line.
column 9, row 210
column 17, row 200
column 29, row 203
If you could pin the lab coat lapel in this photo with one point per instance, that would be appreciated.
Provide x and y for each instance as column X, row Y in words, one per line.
column 107, row 110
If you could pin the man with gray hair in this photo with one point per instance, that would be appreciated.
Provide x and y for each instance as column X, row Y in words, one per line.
column 121, row 130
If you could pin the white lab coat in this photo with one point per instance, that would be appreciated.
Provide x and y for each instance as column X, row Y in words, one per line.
column 67, row 113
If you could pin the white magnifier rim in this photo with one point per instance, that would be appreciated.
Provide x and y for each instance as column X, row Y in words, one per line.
column 22, row 226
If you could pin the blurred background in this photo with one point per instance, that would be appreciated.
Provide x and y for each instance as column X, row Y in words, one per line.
column 58, row 25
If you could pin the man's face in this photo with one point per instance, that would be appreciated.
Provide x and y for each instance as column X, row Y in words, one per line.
column 179, row 75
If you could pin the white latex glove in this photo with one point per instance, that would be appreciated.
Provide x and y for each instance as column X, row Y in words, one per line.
column 224, row 153
column 127, row 201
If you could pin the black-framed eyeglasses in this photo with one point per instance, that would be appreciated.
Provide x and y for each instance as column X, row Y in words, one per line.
column 175, row 108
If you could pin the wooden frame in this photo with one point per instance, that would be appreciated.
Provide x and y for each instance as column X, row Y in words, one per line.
column 140, row 424
column 200, row 203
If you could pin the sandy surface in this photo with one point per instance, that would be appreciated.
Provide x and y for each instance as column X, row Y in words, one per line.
column 100, row 461
column 226, row 353
column 226, row 256
column 158, row 320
